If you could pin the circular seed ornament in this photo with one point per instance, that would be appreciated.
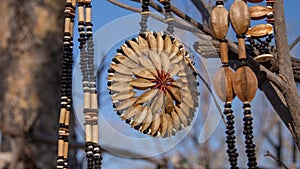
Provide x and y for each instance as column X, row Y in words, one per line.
column 152, row 86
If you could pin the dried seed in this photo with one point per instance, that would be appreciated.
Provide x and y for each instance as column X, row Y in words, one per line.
column 141, row 83
column 155, row 124
column 163, row 124
column 120, row 87
column 130, row 53
column 182, row 116
column 147, row 121
column 136, row 47
column 131, row 111
column 116, row 77
column 169, row 103
column 174, row 49
column 139, row 117
column 126, row 103
column 175, row 93
column 260, row 30
column 167, row 44
column 152, row 41
column 123, row 95
column 158, row 103
column 121, row 69
column 155, row 59
column 176, row 120
column 126, row 61
column 144, row 73
column 165, row 62
column 160, row 43
column 147, row 96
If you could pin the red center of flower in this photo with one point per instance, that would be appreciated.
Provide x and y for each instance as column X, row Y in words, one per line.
column 162, row 80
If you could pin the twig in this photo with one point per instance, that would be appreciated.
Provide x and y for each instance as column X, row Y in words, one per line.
column 203, row 10
column 281, row 164
column 124, row 6
column 294, row 43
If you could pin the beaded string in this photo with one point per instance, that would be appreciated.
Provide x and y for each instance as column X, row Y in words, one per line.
column 66, row 85
column 245, row 81
column 248, row 132
column 168, row 15
column 223, row 78
column 90, row 109
column 144, row 16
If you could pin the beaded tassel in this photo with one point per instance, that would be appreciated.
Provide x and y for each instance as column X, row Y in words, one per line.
column 66, row 83
column 93, row 150
column 248, row 132
column 223, row 78
column 231, row 149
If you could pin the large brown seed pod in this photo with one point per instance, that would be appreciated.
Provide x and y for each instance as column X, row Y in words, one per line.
column 219, row 21
column 245, row 84
column 239, row 17
column 155, row 90
column 259, row 12
column 223, row 84
column 260, row 30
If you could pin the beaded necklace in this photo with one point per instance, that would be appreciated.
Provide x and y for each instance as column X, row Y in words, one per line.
column 90, row 106
column 66, row 86
column 224, row 77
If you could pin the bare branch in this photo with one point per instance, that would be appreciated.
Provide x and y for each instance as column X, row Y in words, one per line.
column 294, row 43
column 120, row 4
column 199, row 4
column 269, row 154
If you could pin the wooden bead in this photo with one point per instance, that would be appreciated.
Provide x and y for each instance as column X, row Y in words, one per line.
column 219, row 21
column 88, row 133
column 67, row 120
column 223, row 84
column 259, row 12
column 245, row 84
column 88, row 13
column 67, row 24
column 240, row 17
column 66, row 149
column 242, row 49
column 62, row 115
column 60, row 148
column 95, row 133
column 80, row 14
column 86, row 100
column 224, row 52
column 94, row 103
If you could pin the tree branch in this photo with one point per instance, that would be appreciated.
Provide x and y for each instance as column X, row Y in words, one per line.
column 285, row 68
column 269, row 154
column 294, row 43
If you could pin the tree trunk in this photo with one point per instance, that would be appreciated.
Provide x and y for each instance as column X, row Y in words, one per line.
column 31, row 50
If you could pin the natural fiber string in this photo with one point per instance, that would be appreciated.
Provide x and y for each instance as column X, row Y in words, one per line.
column 66, row 86
column 93, row 150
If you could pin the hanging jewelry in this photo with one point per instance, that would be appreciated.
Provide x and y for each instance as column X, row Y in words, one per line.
column 256, row 35
column 90, row 108
column 66, row 86
column 244, row 81
column 223, row 78
column 151, row 85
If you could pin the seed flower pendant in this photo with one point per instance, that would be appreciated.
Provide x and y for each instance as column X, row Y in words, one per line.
column 152, row 86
